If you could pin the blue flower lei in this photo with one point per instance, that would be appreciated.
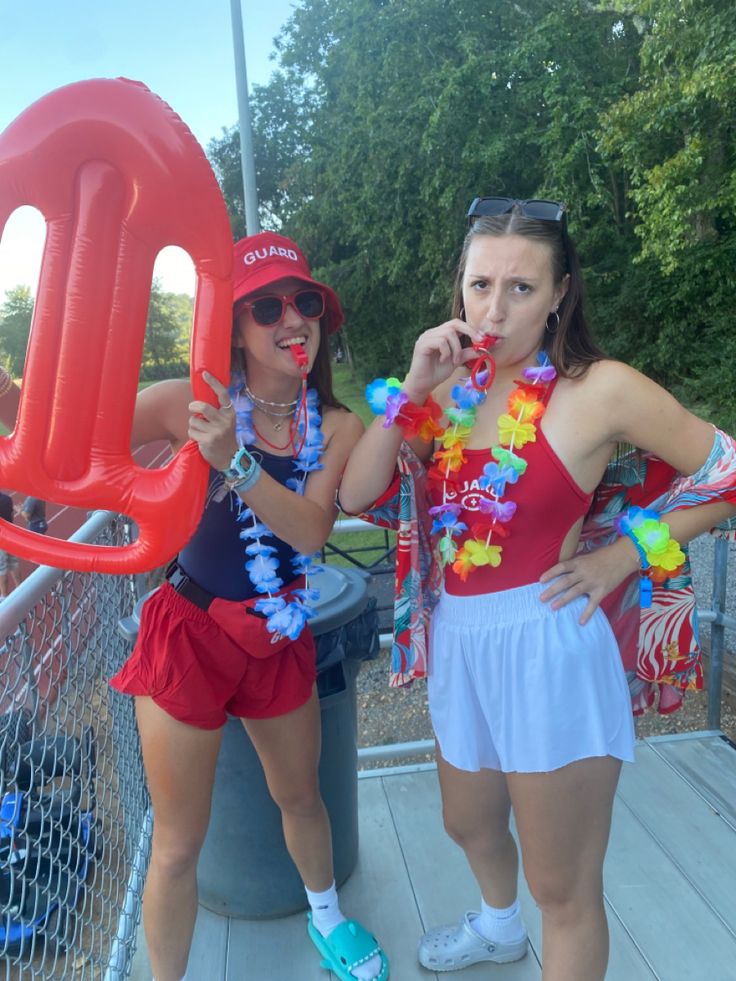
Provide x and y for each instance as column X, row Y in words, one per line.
column 282, row 618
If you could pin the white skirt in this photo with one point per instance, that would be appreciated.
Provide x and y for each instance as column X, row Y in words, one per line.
column 519, row 687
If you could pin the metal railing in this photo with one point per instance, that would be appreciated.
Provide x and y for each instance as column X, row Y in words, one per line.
column 719, row 621
column 383, row 564
column 75, row 820
column 74, row 827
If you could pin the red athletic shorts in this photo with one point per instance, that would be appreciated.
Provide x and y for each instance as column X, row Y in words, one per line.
column 198, row 665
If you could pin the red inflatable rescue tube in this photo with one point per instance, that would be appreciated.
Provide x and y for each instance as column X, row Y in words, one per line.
column 118, row 176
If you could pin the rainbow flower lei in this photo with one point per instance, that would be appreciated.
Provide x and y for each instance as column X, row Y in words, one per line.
column 516, row 428
column 282, row 618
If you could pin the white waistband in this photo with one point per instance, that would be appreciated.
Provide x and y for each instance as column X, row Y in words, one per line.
column 506, row 606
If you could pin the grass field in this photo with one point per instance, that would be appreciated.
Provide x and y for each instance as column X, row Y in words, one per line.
column 351, row 392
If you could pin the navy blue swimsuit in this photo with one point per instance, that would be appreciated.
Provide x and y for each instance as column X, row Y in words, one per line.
column 215, row 555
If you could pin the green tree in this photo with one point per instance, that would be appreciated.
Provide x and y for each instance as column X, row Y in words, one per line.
column 168, row 325
column 675, row 137
column 16, row 314
column 387, row 118
column 676, row 134
column 166, row 344
column 280, row 122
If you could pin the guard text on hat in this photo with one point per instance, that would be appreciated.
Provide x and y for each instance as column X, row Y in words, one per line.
column 250, row 257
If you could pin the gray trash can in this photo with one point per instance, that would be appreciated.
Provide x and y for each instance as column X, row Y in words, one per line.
column 244, row 868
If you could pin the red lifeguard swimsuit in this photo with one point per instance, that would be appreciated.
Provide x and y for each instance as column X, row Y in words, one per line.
column 549, row 503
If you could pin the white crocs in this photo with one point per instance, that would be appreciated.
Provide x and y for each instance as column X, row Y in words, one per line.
column 450, row 948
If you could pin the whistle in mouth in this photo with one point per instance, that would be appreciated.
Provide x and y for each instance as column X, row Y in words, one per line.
column 300, row 357
column 484, row 343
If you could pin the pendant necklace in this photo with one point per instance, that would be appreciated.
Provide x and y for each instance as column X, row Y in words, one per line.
column 267, row 408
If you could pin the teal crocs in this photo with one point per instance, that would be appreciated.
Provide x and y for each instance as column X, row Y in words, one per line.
column 348, row 946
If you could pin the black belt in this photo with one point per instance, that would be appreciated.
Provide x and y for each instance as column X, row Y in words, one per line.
column 187, row 588
column 193, row 592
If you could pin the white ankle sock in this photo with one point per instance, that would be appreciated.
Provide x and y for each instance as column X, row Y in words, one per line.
column 505, row 926
column 326, row 915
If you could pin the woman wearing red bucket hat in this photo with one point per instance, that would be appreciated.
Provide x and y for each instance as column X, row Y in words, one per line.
column 227, row 632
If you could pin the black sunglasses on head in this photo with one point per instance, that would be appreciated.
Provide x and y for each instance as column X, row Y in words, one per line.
column 535, row 208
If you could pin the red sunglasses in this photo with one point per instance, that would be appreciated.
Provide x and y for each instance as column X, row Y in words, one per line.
column 268, row 311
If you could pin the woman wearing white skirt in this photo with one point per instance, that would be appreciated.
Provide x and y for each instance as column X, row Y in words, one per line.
column 516, row 414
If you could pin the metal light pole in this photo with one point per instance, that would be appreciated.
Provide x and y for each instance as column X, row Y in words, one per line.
column 250, row 191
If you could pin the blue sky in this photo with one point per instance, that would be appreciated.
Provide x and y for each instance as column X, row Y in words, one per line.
column 181, row 49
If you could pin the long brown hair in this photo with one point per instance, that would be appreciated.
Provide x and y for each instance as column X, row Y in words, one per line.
column 570, row 347
column 319, row 378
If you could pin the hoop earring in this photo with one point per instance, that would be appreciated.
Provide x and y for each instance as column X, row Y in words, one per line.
column 552, row 330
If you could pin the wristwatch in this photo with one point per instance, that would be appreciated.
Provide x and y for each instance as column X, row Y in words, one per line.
column 242, row 465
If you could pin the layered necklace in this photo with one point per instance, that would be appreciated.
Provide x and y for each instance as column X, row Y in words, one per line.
column 275, row 410
column 516, row 428
column 284, row 618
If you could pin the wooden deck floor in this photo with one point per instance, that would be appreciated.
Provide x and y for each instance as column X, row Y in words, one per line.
column 670, row 880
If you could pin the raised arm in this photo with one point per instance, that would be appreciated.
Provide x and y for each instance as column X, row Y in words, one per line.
column 305, row 522
column 370, row 469
column 161, row 414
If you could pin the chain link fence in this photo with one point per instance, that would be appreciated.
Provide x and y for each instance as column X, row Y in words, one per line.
column 74, row 812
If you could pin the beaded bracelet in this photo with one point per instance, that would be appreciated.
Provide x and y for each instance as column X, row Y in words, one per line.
column 660, row 554
column 6, row 381
column 385, row 397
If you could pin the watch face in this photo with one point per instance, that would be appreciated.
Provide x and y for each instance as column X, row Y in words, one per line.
column 236, row 468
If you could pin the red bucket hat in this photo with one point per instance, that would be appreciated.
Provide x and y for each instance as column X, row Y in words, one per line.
column 267, row 257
